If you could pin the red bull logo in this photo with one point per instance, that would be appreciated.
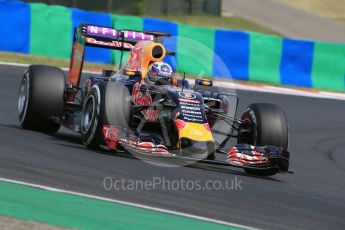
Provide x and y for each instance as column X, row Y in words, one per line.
column 145, row 98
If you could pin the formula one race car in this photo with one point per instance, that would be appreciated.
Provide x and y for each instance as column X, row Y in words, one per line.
column 171, row 118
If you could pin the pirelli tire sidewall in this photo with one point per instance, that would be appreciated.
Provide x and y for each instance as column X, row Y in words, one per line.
column 45, row 86
column 111, row 106
column 267, row 125
column 91, row 127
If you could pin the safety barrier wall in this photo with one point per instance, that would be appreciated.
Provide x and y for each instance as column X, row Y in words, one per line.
column 44, row 30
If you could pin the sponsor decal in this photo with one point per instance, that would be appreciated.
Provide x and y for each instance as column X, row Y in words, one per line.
column 145, row 98
column 110, row 44
column 193, row 120
column 111, row 136
column 134, row 61
column 97, row 30
column 190, row 112
column 196, row 133
column 110, row 133
column 190, row 109
column 188, row 104
column 193, row 130
column 187, row 95
column 137, row 36
column 115, row 34
column 182, row 100
column 211, row 99
column 191, row 115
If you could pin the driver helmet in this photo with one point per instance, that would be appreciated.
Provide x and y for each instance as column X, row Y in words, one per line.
column 159, row 73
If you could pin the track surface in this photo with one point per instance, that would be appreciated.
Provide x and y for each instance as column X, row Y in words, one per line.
column 287, row 20
column 312, row 198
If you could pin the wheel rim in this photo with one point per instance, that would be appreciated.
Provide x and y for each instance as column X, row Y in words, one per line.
column 23, row 97
column 88, row 114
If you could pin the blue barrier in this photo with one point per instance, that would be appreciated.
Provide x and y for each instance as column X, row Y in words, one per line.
column 296, row 63
column 93, row 54
column 232, row 47
column 167, row 27
column 15, row 31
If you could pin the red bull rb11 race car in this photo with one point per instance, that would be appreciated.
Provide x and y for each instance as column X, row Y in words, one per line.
column 146, row 110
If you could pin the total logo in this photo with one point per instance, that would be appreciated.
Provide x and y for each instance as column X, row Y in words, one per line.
column 110, row 133
column 187, row 95
column 196, row 133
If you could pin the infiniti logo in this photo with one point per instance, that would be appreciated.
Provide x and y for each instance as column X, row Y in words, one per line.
column 187, row 95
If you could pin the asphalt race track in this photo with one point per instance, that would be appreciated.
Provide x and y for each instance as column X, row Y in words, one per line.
column 312, row 198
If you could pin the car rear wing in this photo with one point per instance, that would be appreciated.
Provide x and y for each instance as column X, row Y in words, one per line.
column 106, row 37
column 102, row 37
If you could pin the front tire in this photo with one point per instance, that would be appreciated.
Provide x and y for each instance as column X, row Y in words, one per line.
column 264, row 125
column 41, row 96
column 107, row 103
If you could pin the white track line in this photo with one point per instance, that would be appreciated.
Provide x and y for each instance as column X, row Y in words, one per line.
column 127, row 203
column 248, row 87
column 283, row 90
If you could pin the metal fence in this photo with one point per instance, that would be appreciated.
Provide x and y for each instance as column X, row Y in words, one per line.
column 140, row 7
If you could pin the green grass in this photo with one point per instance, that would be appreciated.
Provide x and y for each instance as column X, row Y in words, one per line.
column 30, row 59
column 230, row 23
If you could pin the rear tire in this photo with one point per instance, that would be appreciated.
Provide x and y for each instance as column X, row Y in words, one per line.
column 264, row 124
column 106, row 103
column 41, row 96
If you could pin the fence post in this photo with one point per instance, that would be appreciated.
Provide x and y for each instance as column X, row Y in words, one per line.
column 190, row 7
column 109, row 6
column 164, row 7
